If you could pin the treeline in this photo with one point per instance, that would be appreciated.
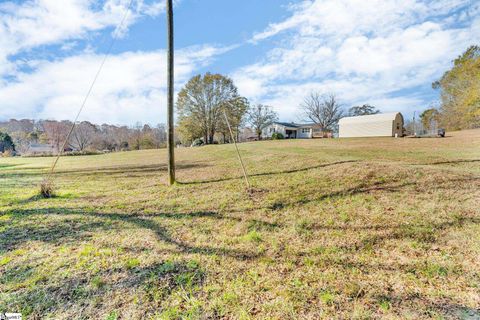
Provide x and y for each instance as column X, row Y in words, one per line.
column 85, row 137
column 210, row 109
column 459, row 94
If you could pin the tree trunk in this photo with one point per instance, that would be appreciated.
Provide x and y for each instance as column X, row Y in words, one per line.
column 210, row 139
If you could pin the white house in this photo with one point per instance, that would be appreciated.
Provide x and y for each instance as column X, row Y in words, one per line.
column 292, row 130
column 374, row 125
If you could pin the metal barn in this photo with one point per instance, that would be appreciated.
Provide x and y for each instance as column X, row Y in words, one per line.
column 375, row 125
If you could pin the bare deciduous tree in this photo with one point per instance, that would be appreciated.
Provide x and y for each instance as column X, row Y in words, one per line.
column 323, row 110
column 159, row 134
column 136, row 136
column 260, row 117
column 82, row 135
column 56, row 132
column 85, row 135
column 363, row 110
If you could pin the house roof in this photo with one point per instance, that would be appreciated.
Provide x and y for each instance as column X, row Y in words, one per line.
column 295, row 125
column 287, row 124
column 371, row 118
column 40, row 147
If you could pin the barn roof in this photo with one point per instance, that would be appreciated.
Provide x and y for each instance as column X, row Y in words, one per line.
column 371, row 118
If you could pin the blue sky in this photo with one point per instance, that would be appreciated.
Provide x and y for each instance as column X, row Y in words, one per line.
column 382, row 52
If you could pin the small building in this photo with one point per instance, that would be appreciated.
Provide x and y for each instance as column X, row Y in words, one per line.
column 40, row 149
column 374, row 125
column 291, row 130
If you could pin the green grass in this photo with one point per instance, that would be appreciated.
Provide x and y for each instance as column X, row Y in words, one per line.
column 354, row 228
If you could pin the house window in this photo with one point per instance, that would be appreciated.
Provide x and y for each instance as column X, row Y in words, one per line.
column 305, row 130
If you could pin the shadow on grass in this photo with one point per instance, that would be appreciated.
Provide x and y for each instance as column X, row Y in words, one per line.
column 152, row 284
column 7, row 165
column 132, row 169
column 427, row 233
column 68, row 230
column 379, row 186
column 444, row 308
column 113, row 170
column 72, row 292
column 62, row 232
column 324, row 165
column 459, row 161
column 38, row 197
column 156, row 282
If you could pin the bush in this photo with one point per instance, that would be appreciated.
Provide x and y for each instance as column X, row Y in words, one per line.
column 277, row 136
column 47, row 188
column 6, row 143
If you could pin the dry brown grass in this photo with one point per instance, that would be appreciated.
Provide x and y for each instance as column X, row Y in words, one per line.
column 47, row 188
column 360, row 228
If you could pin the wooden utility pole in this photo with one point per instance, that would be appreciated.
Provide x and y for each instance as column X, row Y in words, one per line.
column 170, row 89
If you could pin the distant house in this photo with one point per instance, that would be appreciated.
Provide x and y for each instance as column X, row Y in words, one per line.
column 374, row 125
column 292, row 130
column 37, row 148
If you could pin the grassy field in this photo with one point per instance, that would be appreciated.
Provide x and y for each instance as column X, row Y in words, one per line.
column 355, row 228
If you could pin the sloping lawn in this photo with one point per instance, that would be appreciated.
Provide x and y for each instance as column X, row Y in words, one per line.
column 355, row 228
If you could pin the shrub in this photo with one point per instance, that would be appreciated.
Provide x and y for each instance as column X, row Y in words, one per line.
column 47, row 188
column 6, row 143
column 277, row 136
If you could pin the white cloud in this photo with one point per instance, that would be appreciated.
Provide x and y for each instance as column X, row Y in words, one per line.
column 131, row 87
column 37, row 23
column 365, row 51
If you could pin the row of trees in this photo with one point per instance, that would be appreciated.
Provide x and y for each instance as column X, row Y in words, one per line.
column 206, row 102
column 205, row 107
column 85, row 137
